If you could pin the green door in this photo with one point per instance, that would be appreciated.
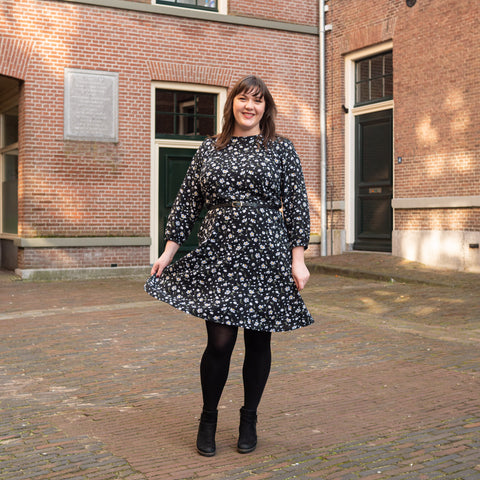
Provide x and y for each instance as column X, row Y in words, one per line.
column 173, row 165
column 373, row 183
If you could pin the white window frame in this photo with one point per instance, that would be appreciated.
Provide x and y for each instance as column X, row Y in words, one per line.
column 157, row 143
column 353, row 111
column 222, row 7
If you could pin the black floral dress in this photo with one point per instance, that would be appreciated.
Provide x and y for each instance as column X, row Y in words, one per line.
column 240, row 273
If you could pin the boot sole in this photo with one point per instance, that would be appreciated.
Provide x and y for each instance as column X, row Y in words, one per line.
column 206, row 454
column 246, row 450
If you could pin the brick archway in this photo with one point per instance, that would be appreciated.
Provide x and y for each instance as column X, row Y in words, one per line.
column 14, row 57
column 181, row 73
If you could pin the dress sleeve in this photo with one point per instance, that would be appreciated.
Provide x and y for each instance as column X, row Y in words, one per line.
column 296, row 213
column 188, row 202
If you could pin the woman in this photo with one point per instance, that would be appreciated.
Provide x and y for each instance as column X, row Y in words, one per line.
column 249, row 266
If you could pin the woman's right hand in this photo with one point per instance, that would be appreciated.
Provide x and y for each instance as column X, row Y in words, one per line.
column 165, row 258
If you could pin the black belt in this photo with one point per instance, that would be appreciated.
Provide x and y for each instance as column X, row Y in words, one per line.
column 243, row 204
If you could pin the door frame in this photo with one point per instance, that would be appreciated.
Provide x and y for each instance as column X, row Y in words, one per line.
column 350, row 144
column 156, row 144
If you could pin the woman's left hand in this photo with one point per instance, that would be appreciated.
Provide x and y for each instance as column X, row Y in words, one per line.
column 300, row 271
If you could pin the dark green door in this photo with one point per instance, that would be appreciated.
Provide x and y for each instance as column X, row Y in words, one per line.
column 173, row 165
column 373, row 183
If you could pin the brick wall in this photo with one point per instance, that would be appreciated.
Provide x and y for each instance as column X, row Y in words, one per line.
column 71, row 188
column 464, row 219
column 295, row 11
column 436, row 96
column 356, row 24
column 83, row 257
column 436, row 127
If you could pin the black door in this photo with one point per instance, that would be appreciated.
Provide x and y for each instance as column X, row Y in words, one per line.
column 373, row 183
column 173, row 165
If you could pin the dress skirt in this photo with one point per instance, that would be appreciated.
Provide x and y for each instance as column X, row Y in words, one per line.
column 241, row 272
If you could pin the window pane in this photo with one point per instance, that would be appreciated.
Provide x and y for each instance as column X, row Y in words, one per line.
column 362, row 70
column 206, row 126
column 388, row 64
column 10, row 193
column 377, row 67
column 377, row 88
column 206, row 104
column 165, row 101
column 10, row 131
column 185, row 97
column 186, row 125
column 388, row 86
column 164, row 124
column 185, row 103
column 363, row 92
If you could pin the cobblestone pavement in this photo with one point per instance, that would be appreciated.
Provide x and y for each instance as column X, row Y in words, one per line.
column 99, row 381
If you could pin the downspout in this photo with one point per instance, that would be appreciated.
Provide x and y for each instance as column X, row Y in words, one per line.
column 323, row 139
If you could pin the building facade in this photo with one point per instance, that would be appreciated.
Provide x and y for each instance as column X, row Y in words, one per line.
column 402, row 129
column 103, row 102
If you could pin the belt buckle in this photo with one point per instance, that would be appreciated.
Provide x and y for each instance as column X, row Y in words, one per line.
column 237, row 203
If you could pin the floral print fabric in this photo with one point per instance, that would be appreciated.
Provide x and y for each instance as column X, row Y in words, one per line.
column 240, row 273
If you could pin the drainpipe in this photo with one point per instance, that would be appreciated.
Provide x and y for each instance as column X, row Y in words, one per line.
column 323, row 139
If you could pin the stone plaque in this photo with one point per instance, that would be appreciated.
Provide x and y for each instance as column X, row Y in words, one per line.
column 91, row 105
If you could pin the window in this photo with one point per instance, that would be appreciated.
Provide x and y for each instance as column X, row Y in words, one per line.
column 201, row 4
column 185, row 115
column 374, row 79
column 9, row 170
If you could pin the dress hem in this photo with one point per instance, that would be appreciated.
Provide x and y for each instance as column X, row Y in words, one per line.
column 191, row 312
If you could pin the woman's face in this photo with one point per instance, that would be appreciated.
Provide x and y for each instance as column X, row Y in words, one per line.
column 248, row 110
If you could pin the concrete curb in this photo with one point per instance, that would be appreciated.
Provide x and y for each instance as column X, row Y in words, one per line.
column 51, row 274
column 383, row 277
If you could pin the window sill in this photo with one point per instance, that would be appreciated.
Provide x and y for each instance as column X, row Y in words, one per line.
column 9, row 236
column 76, row 242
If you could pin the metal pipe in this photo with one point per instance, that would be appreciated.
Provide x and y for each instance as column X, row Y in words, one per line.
column 323, row 140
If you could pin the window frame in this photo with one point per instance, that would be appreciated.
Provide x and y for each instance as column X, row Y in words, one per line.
column 371, row 78
column 180, row 112
column 221, row 8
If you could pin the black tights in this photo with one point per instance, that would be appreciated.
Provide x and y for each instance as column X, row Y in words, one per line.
column 216, row 362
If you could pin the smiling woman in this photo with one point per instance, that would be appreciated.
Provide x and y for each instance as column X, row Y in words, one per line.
column 249, row 267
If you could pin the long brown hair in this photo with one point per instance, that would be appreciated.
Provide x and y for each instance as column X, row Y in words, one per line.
column 256, row 86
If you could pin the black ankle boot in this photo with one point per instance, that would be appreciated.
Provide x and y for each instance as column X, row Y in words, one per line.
column 206, row 433
column 247, row 441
